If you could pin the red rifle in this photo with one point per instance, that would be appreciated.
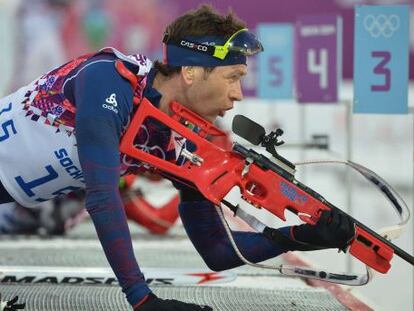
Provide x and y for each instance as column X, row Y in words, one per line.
column 262, row 182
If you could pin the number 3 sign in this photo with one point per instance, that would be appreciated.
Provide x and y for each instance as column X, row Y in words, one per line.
column 381, row 59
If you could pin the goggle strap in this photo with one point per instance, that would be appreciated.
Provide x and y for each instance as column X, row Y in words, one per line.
column 235, row 34
column 189, row 45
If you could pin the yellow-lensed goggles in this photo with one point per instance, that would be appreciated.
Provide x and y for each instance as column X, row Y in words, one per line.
column 242, row 41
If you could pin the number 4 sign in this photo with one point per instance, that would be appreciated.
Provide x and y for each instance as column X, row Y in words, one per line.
column 318, row 58
column 381, row 59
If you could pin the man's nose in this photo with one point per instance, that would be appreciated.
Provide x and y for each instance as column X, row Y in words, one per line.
column 237, row 93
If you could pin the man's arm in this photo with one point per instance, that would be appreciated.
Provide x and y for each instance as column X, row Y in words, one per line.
column 104, row 101
column 98, row 131
column 206, row 231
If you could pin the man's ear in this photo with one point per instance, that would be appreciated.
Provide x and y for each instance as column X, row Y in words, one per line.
column 187, row 73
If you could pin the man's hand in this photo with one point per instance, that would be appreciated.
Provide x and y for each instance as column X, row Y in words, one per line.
column 11, row 305
column 153, row 303
column 334, row 229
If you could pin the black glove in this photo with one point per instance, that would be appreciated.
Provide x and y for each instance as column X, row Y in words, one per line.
column 334, row 229
column 154, row 303
column 12, row 305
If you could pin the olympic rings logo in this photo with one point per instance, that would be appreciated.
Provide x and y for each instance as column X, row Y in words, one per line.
column 381, row 25
column 154, row 150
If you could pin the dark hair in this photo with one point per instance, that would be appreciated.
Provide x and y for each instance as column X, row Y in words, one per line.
column 201, row 22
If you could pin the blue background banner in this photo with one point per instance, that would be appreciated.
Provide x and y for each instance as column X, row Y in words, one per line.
column 275, row 64
column 381, row 59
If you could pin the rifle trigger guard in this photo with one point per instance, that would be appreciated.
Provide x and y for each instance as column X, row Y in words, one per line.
column 246, row 167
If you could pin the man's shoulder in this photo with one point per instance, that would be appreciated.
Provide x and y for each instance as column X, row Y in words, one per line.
column 102, row 65
column 142, row 63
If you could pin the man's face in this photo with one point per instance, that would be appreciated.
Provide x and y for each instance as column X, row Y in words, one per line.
column 211, row 94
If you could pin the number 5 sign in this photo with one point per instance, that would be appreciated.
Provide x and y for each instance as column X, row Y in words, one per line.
column 381, row 59
column 275, row 70
column 318, row 58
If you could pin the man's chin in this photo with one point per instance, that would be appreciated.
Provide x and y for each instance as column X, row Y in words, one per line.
column 211, row 119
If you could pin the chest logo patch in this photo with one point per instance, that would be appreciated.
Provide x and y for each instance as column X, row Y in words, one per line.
column 111, row 103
